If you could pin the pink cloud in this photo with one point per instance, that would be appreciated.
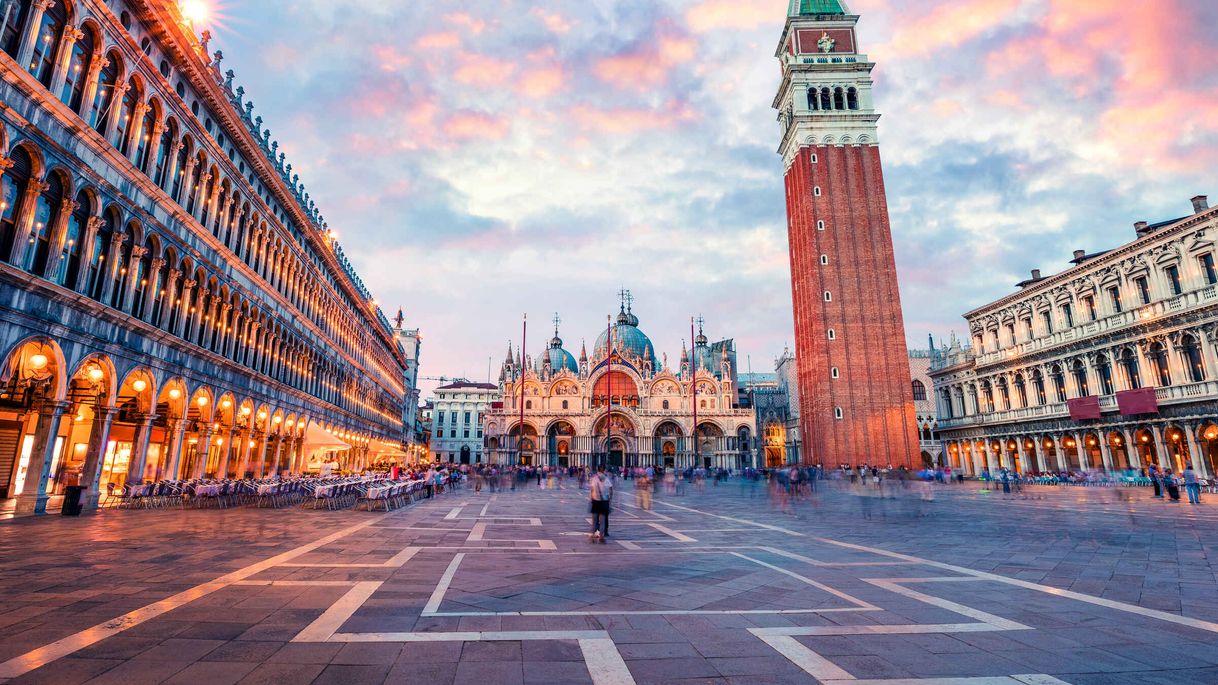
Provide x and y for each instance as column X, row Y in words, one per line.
column 647, row 66
column 948, row 25
column 542, row 82
column 483, row 71
column 555, row 22
column 628, row 121
column 391, row 59
column 440, row 40
column 475, row 26
column 712, row 15
column 466, row 126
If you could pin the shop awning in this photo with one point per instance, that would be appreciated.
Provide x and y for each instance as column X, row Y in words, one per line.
column 317, row 438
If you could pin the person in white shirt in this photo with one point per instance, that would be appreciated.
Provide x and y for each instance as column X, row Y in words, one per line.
column 600, row 494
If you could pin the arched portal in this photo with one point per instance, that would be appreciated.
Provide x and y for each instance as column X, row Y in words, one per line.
column 525, row 445
column 558, row 443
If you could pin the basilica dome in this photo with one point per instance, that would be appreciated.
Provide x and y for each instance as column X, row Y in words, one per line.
column 627, row 336
column 560, row 359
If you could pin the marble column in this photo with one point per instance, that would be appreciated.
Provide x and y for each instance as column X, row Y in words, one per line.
column 202, row 451
column 33, row 497
column 33, row 25
column 173, row 449
column 95, row 454
column 1194, row 451
column 139, row 449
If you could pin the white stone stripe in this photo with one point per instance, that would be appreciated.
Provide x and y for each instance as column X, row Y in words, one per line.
column 982, row 680
column 604, row 662
column 679, row 537
column 1089, row 599
column 31, row 660
column 454, row 513
column 661, row 612
column 879, row 629
column 437, row 595
column 476, row 533
column 333, row 618
column 812, row 663
column 396, row 561
column 629, row 545
column 737, row 520
column 833, row 591
column 985, row 617
column 473, row 636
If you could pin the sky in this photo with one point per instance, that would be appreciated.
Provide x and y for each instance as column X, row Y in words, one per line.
column 483, row 159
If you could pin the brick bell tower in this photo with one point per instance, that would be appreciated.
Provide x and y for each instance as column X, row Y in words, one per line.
column 856, row 397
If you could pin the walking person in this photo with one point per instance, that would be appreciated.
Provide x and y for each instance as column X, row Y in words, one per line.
column 1173, row 487
column 1192, row 485
column 600, row 493
column 1153, row 473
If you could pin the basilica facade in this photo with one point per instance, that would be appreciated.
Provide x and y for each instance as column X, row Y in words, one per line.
column 621, row 405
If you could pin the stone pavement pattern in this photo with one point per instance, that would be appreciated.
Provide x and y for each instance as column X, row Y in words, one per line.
column 1070, row 586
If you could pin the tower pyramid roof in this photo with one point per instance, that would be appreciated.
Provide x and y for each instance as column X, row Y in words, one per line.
column 805, row 7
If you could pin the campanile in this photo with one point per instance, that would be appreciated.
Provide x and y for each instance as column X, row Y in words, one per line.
column 855, row 392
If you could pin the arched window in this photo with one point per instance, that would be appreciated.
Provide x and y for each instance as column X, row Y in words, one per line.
column 46, row 213
column 95, row 283
column 174, row 295
column 1133, row 374
column 175, row 184
column 665, row 404
column 69, row 258
column 126, row 117
column 1104, row 369
column 13, row 185
column 217, row 228
column 919, row 390
column 564, row 404
column 193, row 189
column 1158, row 357
column 73, row 92
column 813, row 100
column 107, row 82
column 145, row 146
column 528, row 404
column 121, row 269
column 839, row 99
column 704, row 404
column 46, row 43
column 205, row 191
column 852, row 99
column 1059, row 383
column 987, row 394
column 1192, row 358
column 1005, row 393
column 1080, row 378
column 156, row 281
column 1021, row 392
column 15, row 16
column 1038, row 387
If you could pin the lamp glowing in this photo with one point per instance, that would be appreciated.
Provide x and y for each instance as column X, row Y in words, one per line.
column 202, row 401
column 175, row 394
column 96, row 374
column 139, row 385
column 39, row 362
column 226, row 404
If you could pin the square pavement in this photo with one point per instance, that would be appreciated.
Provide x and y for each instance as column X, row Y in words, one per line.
column 724, row 586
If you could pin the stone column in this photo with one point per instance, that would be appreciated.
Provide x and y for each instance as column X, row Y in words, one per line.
column 245, row 447
column 1131, row 449
column 171, row 170
column 137, row 130
column 127, row 303
column 1194, row 451
column 151, row 293
column 25, row 221
column 95, row 455
column 139, row 449
column 274, row 470
column 1161, row 451
column 110, row 264
column 86, row 254
column 1080, row 446
column 193, row 331
column 58, row 234
column 97, row 62
column 1105, row 450
column 115, row 124
column 262, row 452
column 184, row 186
column 1040, row 455
column 33, row 497
column 184, row 303
column 26, row 51
column 154, row 148
column 202, row 451
column 173, row 449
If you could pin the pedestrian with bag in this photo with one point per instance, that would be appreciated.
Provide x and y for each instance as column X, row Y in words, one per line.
column 600, row 494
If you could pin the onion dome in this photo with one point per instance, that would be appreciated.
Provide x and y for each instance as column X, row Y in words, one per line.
column 628, row 338
column 559, row 358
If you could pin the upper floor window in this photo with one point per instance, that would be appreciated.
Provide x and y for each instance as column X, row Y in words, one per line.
column 1143, row 289
column 1068, row 315
column 1047, row 319
column 1192, row 358
column 1089, row 303
column 1080, row 379
column 919, row 390
column 1173, row 279
column 1207, row 268
column 1114, row 297
column 1011, row 333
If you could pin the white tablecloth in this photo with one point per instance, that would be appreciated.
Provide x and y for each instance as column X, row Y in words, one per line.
column 208, row 490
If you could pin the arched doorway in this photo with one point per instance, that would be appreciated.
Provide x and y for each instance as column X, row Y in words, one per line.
column 31, row 417
column 1207, row 434
column 1091, row 448
column 1144, row 443
column 616, row 452
column 525, row 445
column 775, row 445
column 1177, row 448
column 558, row 443
column 1070, row 450
column 615, row 435
column 1119, row 450
column 465, row 454
column 709, row 443
column 668, row 442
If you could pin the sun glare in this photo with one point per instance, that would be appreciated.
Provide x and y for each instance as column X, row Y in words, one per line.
column 195, row 11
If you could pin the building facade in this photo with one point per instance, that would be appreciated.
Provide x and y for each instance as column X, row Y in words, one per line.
column 925, row 412
column 855, row 403
column 622, row 405
column 1111, row 364
column 457, row 421
column 171, row 301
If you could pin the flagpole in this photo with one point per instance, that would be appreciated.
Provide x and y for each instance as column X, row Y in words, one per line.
column 524, row 333
column 693, row 366
column 609, row 384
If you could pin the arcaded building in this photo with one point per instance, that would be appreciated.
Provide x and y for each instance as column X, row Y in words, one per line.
column 1111, row 364
column 172, row 304
column 855, row 405
column 622, row 405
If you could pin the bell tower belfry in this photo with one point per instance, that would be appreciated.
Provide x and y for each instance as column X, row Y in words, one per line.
column 856, row 397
